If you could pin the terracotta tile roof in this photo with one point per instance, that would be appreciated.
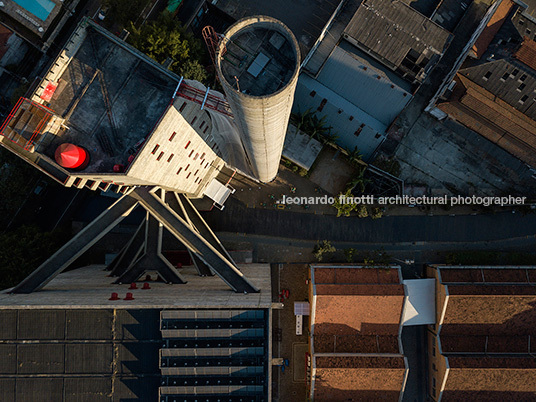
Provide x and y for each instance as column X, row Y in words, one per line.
column 491, row 379
column 527, row 53
column 479, row 275
column 463, row 343
column 498, row 290
column 367, row 315
column 359, row 378
column 357, row 310
column 5, row 33
column 491, row 29
column 483, row 112
column 490, row 315
column 354, row 275
column 355, row 343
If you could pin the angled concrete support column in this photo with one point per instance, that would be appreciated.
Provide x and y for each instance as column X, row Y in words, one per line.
column 129, row 253
column 179, row 228
column 173, row 202
column 152, row 259
column 197, row 221
column 79, row 244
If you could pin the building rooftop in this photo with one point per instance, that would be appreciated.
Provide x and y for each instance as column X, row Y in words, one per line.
column 490, row 379
column 36, row 16
column 110, row 95
column 492, row 27
column 397, row 35
column 527, row 53
column 359, row 378
column 65, row 354
column 259, row 60
column 91, row 287
column 375, row 298
column 482, row 111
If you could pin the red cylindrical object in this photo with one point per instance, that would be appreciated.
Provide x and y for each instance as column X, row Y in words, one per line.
column 133, row 286
column 129, row 296
column 71, row 156
column 114, row 296
column 146, row 286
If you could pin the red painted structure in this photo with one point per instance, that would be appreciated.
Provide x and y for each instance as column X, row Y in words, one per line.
column 71, row 156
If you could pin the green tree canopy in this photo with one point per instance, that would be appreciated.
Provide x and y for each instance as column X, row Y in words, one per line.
column 165, row 40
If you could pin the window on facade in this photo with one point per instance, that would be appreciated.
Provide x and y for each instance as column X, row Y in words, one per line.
column 182, row 107
column 178, row 171
column 487, row 75
column 523, row 77
column 504, row 77
column 187, row 144
column 160, row 156
column 523, row 99
column 173, row 135
column 170, row 157
column 155, row 149
column 521, row 87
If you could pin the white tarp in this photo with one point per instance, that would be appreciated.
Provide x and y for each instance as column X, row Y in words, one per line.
column 217, row 192
column 419, row 308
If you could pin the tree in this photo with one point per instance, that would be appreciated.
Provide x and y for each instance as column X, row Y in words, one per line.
column 323, row 248
column 344, row 208
column 166, row 40
column 354, row 156
column 350, row 253
column 359, row 181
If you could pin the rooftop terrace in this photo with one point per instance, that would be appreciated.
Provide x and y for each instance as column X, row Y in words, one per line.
column 110, row 95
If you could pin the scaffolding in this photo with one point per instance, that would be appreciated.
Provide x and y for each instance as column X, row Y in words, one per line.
column 25, row 124
column 204, row 98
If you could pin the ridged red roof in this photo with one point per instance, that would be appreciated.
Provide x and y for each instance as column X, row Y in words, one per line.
column 527, row 53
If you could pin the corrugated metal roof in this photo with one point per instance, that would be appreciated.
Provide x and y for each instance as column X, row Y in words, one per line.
column 7, row 389
column 8, row 329
column 362, row 82
column 39, row 389
column 391, row 28
column 41, row 324
column 8, row 360
column 40, row 358
column 89, row 324
column 88, row 358
column 88, row 389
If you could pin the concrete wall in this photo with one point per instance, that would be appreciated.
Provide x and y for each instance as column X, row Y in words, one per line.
column 176, row 156
column 262, row 120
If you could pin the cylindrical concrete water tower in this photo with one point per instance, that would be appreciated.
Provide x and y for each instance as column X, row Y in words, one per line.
column 258, row 63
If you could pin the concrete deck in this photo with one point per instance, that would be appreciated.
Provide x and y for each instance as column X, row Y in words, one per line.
column 90, row 287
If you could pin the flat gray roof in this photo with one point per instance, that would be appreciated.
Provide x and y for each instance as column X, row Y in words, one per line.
column 138, row 92
column 91, row 287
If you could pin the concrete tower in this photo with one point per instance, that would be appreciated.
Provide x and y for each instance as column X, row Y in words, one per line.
column 258, row 64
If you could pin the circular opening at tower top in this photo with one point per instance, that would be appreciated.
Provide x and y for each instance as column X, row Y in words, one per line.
column 258, row 56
